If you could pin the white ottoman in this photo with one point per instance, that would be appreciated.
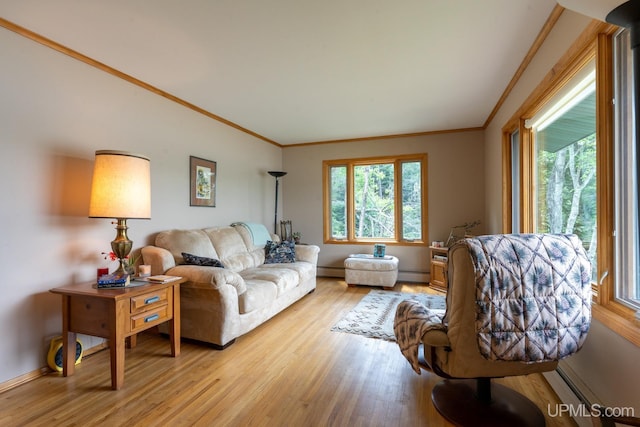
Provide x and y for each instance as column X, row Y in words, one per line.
column 364, row 269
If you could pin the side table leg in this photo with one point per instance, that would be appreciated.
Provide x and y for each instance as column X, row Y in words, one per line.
column 68, row 339
column 116, row 350
column 132, row 341
column 174, row 323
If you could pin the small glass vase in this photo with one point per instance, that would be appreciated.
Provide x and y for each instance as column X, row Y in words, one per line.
column 130, row 269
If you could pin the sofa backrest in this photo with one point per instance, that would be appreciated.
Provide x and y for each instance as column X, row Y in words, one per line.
column 232, row 250
column 195, row 242
column 233, row 246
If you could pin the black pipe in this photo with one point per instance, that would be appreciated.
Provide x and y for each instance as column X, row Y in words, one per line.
column 276, row 175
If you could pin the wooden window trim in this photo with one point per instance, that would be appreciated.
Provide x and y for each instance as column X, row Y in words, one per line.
column 595, row 41
column 397, row 161
column 507, row 181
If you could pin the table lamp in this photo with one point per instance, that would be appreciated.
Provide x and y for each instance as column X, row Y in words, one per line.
column 121, row 189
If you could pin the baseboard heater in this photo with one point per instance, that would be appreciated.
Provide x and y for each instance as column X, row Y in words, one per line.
column 581, row 404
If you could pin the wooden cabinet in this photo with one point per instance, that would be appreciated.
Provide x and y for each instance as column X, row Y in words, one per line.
column 439, row 261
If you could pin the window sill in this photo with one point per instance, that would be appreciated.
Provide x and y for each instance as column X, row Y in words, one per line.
column 374, row 241
column 619, row 319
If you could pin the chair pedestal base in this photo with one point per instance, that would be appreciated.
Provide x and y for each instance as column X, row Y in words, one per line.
column 457, row 401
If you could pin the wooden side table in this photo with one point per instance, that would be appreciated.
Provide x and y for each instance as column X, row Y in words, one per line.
column 116, row 314
column 439, row 267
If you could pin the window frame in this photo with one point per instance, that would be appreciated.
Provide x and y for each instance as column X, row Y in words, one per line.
column 595, row 42
column 350, row 164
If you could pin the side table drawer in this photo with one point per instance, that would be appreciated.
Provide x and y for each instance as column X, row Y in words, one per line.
column 144, row 302
column 142, row 321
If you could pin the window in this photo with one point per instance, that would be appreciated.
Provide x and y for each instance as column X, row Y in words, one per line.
column 380, row 199
column 572, row 153
column 564, row 141
column 627, row 260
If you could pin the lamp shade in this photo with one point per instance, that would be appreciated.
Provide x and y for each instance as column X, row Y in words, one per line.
column 597, row 9
column 121, row 186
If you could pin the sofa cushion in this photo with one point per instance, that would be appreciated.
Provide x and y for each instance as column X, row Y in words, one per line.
column 190, row 241
column 201, row 260
column 305, row 270
column 259, row 294
column 279, row 253
column 283, row 278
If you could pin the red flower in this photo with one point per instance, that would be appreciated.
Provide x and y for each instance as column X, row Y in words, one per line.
column 111, row 255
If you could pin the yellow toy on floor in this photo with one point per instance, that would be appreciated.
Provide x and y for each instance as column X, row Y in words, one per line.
column 54, row 358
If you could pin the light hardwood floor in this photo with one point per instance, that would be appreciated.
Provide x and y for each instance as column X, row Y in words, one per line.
column 291, row 371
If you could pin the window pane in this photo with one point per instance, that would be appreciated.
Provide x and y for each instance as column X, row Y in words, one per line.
column 566, row 170
column 374, row 201
column 627, row 277
column 411, row 201
column 338, row 191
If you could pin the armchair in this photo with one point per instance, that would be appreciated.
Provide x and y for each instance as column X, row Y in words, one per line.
column 516, row 305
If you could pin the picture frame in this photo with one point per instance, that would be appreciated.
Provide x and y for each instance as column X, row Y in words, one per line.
column 202, row 173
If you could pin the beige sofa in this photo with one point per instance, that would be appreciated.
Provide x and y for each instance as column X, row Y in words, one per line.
column 220, row 304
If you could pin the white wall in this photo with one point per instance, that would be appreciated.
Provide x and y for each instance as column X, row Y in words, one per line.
column 607, row 364
column 455, row 192
column 55, row 112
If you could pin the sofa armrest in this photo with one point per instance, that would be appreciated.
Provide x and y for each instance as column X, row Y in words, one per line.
column 308, row 253
column 158, row 258
column 214, row 276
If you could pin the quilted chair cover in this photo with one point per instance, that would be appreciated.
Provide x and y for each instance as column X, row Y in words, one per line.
column 516, row 304
column 533, row 296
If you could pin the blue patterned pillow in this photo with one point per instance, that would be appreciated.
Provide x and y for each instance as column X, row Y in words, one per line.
column 278, row 253
column 200, row 260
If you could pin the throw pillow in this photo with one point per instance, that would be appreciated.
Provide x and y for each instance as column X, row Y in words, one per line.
column 200, row 260
column 277, row 253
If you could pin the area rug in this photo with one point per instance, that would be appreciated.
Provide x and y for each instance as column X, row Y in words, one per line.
column 373, row 315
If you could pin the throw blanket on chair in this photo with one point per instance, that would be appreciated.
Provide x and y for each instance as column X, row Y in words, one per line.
column 533, row 295
column 411, row 322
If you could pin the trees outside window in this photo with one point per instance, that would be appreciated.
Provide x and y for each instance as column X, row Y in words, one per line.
column 374, row 201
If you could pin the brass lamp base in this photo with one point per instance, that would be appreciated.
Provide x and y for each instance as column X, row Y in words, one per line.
column 121, row 246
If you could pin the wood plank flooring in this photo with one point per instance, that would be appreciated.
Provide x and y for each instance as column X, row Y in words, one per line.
column 291, row 371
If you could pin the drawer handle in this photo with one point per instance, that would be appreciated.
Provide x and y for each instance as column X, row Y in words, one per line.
column 151, row 318
column 152, row 300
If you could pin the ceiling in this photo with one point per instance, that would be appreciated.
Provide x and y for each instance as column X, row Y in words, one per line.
column 298, row 71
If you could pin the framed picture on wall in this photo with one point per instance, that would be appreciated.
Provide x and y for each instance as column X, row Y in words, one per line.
column 203, row 182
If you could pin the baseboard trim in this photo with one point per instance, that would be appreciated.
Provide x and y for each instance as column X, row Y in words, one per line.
column 23, row 379
column 44, row 370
